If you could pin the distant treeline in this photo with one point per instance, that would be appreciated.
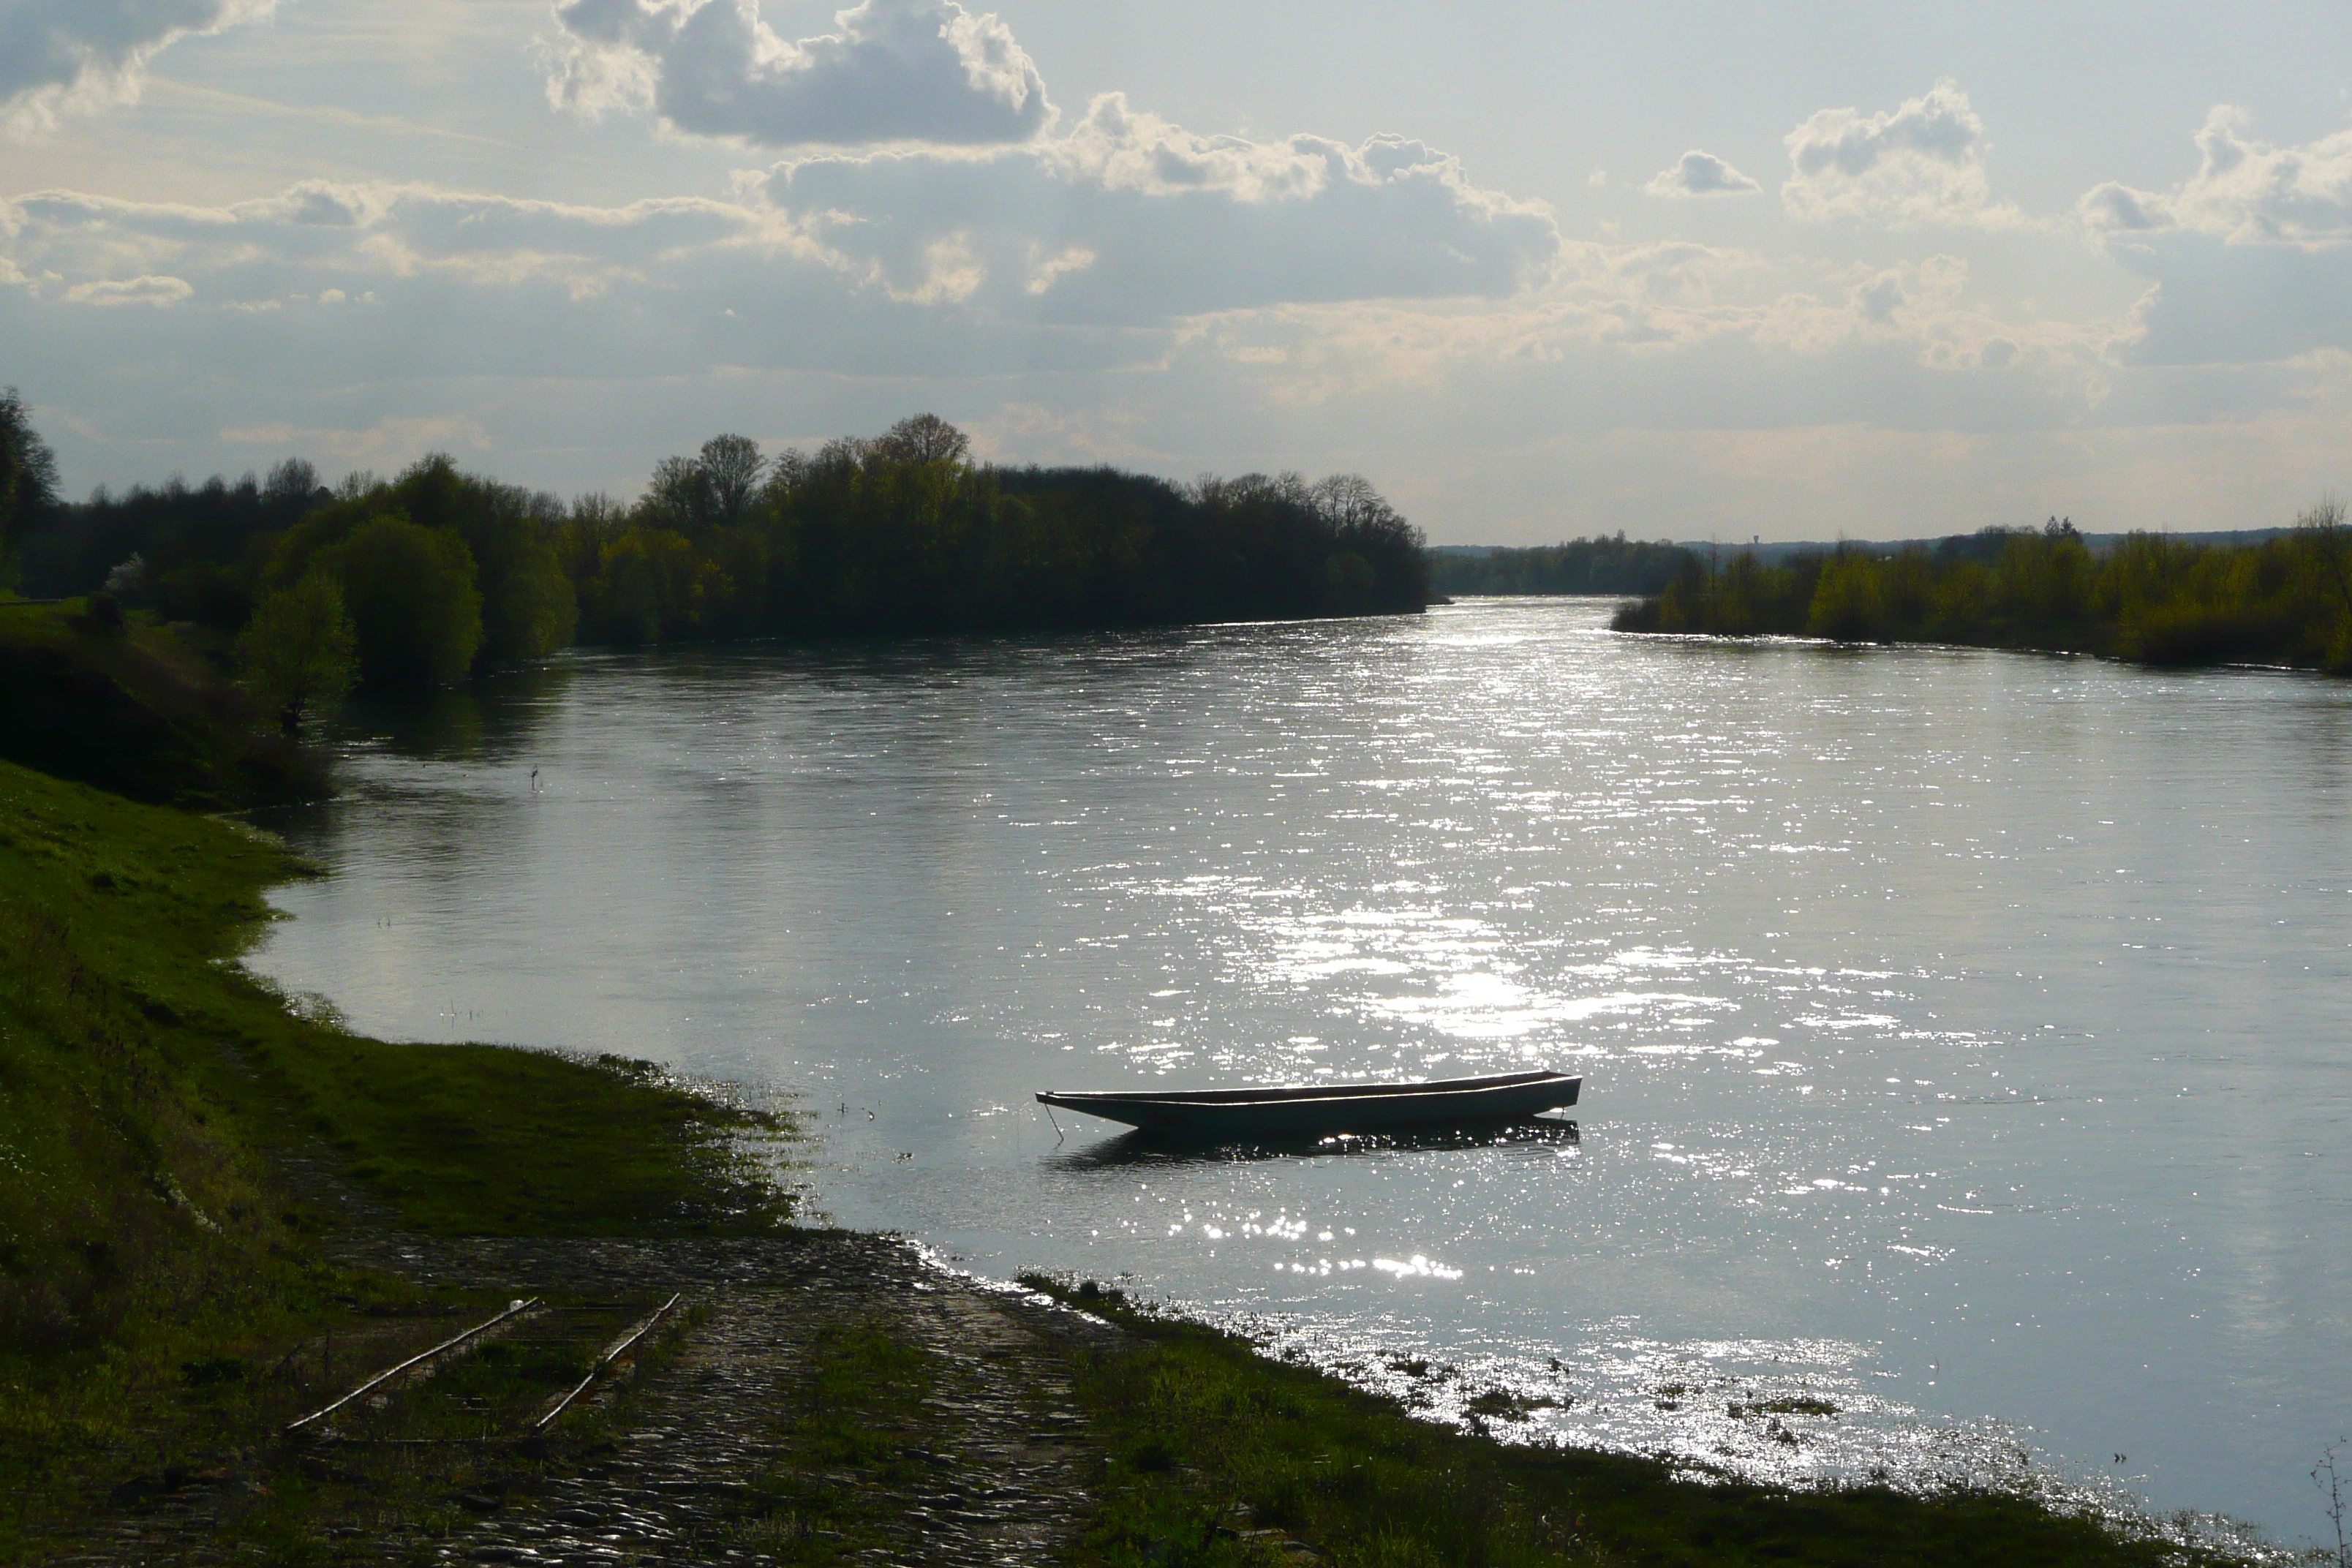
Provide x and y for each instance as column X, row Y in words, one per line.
column 1603, row 565
column 2286, row 600
column 418, row 580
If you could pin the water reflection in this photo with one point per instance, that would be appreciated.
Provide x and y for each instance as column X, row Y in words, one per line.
column 1165, row 1149
column 1971, row 1024
column 494, row 720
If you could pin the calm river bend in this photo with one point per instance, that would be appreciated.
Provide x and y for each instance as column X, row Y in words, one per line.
column 1967, row 1037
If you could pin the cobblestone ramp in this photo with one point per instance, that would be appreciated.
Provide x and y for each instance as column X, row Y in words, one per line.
column 993, row 1469
column 1005, row 1481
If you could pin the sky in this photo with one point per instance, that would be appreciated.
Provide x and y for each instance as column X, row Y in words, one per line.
column 1690, row 271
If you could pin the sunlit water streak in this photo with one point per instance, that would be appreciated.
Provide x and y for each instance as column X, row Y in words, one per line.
column 1964, row 1034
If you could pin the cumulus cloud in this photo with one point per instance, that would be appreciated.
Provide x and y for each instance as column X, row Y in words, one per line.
column 144, row 290
column 1090, row 249
column 322, row 241
column 1697, row 174
column 57, row 56
column 2250, row 257
column 1921, row 163
column 2244, row 192
column 1128, row 222
column 1131, row 219
column 897, row 70
column 2114, row 208
column 1309, row 269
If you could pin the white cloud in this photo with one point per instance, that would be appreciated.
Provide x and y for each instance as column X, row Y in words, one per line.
column 1128, row 222
column 2114, row 208
column 2244, row 192
column 2251, row 256
column 323, row 240
column 1697, row 174
column 1130, row 219
column 387, row 444
column 1921, row 163
column 144, row 290
column 898, row 70
column 59, row 56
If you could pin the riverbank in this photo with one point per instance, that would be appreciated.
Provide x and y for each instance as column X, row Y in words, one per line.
column 225, row 1210
column 185, row 1151
column 89, row 693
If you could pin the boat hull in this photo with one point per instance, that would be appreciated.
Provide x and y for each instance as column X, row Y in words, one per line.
column 1328, row 1107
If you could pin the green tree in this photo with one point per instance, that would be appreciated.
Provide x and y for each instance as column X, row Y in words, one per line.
column 2324, row 543
column 923, row 439
column 28, row 476
column 529, row 609
column 1845, row 605
column 300, row 649
column 730, row 469
column 413, row 600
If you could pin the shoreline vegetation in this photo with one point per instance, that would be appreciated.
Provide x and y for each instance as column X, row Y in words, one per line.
column 2286, row 601
column 420, row 580
column 1610, row 564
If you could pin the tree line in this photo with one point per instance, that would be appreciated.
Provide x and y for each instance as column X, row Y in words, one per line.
column 424, row 578
column 1602, row 564
column 2286, row 600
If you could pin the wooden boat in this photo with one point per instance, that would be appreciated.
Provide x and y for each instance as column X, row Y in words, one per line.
column 1245, row 1113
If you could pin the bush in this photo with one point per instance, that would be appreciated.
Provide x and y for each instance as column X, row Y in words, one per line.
column 413, row 602
column 300, row 649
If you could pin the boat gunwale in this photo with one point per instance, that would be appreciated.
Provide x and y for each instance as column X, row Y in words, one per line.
column 1304, row 1094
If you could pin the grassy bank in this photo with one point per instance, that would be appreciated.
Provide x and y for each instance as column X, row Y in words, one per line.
column 177, row 1141
column 1215, row 1456
column 87, row 693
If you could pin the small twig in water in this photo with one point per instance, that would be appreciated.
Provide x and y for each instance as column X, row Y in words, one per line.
column 2333, row 1488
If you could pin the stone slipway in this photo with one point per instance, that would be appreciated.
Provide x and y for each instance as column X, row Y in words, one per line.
column 705, row 1458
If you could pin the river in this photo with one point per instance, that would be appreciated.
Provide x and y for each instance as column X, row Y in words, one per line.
column 1967, row 1037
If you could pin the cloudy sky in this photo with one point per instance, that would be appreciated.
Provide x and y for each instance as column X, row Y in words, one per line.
column 1691, row 271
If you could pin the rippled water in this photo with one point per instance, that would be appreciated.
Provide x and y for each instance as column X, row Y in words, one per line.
column 1965, row 1035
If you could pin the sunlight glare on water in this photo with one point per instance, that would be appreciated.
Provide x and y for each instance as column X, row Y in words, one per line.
column 1963, row 1034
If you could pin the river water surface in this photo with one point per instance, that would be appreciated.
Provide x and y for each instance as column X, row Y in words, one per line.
column 1967, row 1038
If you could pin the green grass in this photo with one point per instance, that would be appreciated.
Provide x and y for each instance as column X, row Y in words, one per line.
column 152, row 1096
column 1194, row 1423
column 862, row 1426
